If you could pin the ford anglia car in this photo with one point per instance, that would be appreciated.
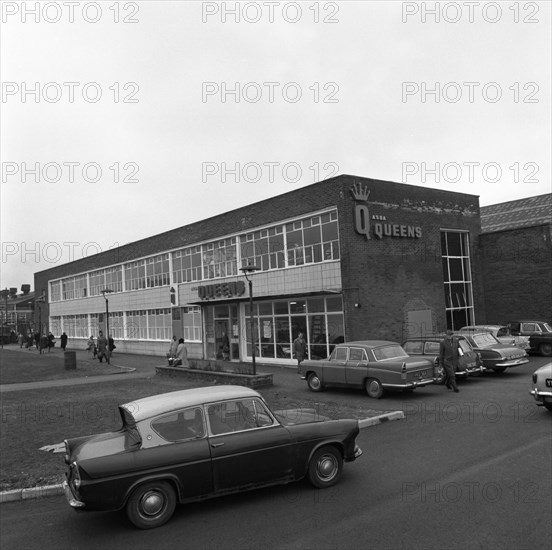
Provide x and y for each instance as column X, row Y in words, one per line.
column 200, row 443
column 495, row 356
column 542, row 386
column 375, row 365
column 469, row 362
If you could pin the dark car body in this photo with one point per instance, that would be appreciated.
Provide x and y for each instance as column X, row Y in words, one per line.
column 539, row 332
column 201, row 443
column 469, row 363
column 375, row 365
column 542, row 386
column 495, row 356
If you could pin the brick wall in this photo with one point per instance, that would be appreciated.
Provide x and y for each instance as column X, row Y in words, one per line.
column 517, row 274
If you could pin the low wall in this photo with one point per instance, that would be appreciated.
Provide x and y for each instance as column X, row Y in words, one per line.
column 218, row 376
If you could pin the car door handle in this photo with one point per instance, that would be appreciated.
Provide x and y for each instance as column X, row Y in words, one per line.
column 216, row 444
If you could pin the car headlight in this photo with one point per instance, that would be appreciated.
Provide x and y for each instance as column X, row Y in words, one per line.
column 75, row 476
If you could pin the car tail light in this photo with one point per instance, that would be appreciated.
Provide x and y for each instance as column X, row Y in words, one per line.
column 74, row 476
column 403, row 371
column 535, row 378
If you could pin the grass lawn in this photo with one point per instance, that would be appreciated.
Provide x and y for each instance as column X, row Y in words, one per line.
column 34, row 418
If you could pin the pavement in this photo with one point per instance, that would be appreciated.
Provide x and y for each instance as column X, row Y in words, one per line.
column 129, row 365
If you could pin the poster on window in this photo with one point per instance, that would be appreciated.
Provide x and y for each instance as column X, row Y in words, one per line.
column 267, row 329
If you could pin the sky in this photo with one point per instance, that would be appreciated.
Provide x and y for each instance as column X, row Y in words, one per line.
column 121, row 120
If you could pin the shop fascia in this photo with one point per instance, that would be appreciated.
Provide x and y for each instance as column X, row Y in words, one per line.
column 378, row 224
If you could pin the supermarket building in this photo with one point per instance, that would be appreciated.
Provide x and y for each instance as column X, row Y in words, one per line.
column 343, row 259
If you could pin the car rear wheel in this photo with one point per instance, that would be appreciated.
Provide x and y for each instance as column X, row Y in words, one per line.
column 499, row 370
column 151, row 504
column 545, row 349
column 325, row 467
column 373, row 388
column 314, row 383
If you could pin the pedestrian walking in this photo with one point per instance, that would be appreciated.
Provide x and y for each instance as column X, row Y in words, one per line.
column 300, row 348
column 448, row 359
column 63, row 341
column 20, row 340
column 102, row 347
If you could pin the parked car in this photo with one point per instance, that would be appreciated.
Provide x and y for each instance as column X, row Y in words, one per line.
column 200, row 443
column 495, row 356
column 375, row 365
column 502, row 334
column 428, row 347
column 539, row 332
column 542, row 386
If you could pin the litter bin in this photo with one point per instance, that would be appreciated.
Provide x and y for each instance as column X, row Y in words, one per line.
column 70, row 359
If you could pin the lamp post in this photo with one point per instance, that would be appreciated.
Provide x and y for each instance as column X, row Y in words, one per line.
column 40, row 301
column 104, row 292
column 5, row 322
column 247, row 270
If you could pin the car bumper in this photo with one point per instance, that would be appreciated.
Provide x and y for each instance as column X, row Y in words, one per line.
column 541, row 397
column 411, row 384
column 510, row 363
column 72, row 501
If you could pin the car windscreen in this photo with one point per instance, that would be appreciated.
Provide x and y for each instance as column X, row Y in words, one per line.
column 547, row 327
column 464, row 346
column 389, row 352
column 483, row 340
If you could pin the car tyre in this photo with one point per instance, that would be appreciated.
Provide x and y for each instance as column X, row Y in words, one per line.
column 151, row 504
column 545, row 349
column 314, row 383
column 499, row 370
column 373, row 388
column 325, row 467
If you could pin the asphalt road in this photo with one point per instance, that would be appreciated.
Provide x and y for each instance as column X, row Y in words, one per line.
column 469, row 470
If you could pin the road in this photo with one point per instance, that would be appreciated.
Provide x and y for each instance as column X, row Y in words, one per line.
column 461, row 471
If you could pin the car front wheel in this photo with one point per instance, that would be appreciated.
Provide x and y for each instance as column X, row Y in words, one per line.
column 325, row 467
column 314, row 383
column 545, row 349
column 373, row 388
column 151, row 504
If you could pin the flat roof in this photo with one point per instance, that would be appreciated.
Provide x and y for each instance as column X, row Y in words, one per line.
column 167, row 402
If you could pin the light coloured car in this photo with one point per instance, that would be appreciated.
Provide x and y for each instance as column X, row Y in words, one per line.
column 495, row 356
column 502, row 334
column 374, row 365
column 200, row 443
column 542, row 386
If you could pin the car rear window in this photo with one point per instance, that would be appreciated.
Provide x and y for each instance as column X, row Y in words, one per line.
column 389, row 352
column 432, row 348
column 414, row 348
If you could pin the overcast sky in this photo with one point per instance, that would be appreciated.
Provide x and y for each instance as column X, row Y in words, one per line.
column 124, row 120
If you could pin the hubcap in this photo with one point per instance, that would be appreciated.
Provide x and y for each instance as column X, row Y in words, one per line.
column 315, row 382
column 152, row 503
column 327, row 466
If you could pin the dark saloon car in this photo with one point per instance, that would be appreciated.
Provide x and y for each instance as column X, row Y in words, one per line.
column 375, row 365
column 469, row 363
column 495, row 356
column 200, row 443
column 539, row 332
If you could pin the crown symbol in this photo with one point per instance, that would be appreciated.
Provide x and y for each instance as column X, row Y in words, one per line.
column 360, row 192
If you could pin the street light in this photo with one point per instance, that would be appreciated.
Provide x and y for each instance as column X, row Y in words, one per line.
column 246, row 270
column 5, row 294
column 40, row 301
column 104, row 292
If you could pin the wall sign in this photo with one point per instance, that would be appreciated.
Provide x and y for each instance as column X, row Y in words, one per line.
column 221, row 290
column 365, row 226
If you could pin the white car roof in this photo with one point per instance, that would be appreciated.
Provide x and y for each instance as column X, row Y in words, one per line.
column 167, row 402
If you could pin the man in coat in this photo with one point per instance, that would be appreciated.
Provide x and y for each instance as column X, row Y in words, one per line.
column 448, row 359
column 102, row 347
column 300, row 348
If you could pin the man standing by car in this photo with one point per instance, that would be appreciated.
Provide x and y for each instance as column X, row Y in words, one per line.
column 448, row 359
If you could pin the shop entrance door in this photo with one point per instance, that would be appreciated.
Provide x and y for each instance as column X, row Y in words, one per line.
column 222, row 339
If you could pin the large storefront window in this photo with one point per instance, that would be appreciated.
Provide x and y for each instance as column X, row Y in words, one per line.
column 278, row 323
column 457, row 279
column 191, row 322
